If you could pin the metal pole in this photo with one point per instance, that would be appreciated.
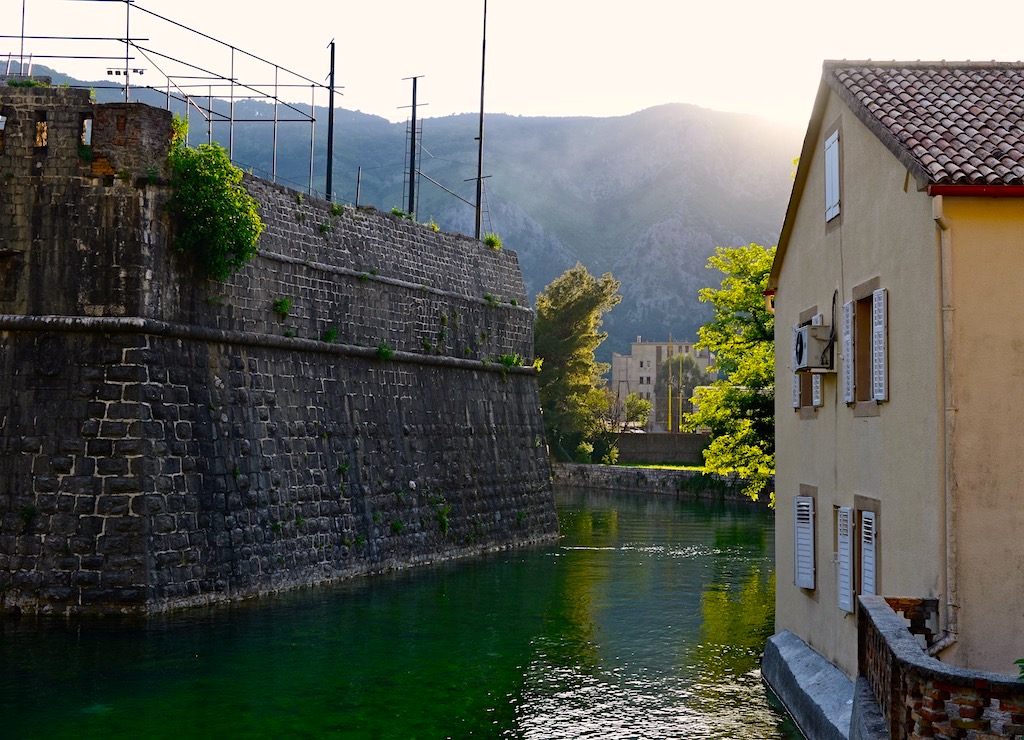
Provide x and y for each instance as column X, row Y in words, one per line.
column 412, row 155
column 21, row 56
column 312, row 132
column 127, row 48
column 480, row 138
column 330, row 131
column 359, row 182
column 273, row 174
column 231, row 109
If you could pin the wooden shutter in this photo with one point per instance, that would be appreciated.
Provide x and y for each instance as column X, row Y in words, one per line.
column 879, row 363
column 844, row 557
column 832, row 176
column 847, row 358
column 868, row 537
column 803, row 541
column 816, row 391
column 796, row 376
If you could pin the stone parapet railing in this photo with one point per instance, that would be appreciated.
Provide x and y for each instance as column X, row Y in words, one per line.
column 921, row 697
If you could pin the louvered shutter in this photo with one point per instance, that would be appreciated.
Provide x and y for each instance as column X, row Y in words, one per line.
column 803, row 541
column 847, row 358
column 796, row 391
column 879, row 364
column 832, row 176
column 868, row 537
column 816, row 390
column 844, row 557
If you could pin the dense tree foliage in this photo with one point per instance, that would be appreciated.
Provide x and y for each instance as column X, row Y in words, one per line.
column 572, row 393
column 217, row 219
column 740, row 409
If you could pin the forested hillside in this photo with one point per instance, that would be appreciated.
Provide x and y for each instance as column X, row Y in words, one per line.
column 646, row 196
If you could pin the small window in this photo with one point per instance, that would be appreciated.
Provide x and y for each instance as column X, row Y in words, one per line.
column 3, row 131
column 42, row 132
column 832, row 179
column 86, row 136
column 865, row 347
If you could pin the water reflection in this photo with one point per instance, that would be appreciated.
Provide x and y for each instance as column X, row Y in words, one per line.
column 645, row 620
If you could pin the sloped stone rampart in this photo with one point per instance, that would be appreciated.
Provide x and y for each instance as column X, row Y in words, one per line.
column 166, row 440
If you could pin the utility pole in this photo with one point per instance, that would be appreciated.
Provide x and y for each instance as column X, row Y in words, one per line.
column 330, row 130
column 412, row 151
column 480, row 138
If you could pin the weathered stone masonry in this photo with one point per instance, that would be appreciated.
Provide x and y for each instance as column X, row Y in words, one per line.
column 166, row 440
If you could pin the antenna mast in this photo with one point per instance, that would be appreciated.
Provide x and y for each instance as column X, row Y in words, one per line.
column 480, row 138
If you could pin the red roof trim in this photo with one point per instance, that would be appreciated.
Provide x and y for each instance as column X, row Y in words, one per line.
column 978, row 191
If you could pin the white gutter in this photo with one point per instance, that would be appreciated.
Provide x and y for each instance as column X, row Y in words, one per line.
column 948, row 428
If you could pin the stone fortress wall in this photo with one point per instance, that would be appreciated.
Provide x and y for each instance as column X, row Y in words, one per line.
column 167, row 440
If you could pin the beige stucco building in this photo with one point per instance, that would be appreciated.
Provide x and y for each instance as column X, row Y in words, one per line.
column 898, row 284
column 637, row 373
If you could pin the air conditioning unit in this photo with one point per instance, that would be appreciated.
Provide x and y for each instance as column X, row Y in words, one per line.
column 813, row 349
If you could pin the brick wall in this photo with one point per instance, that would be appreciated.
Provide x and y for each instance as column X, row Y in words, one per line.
column 168, row 440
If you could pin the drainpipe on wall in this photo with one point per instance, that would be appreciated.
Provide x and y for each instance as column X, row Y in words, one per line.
column 948, row 427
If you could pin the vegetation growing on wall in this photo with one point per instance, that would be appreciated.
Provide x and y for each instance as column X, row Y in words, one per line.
column 217, row 220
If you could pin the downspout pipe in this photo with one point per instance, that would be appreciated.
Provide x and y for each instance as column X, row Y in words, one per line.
column 948, row 427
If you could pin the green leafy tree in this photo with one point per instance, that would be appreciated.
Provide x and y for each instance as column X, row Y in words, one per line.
column 739, row 409
column 631, row 412
column 217, row 220
column 572, row 393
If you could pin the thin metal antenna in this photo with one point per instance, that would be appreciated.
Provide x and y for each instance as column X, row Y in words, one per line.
column 21, row 56
column 127, row 48
column 480, row 138
column 330, row 130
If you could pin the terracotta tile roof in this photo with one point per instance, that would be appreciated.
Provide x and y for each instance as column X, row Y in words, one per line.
column 961, row 123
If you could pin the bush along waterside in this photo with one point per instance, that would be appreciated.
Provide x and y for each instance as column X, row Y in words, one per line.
column 217, row 220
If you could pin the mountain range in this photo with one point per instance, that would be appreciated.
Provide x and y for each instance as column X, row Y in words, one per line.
column 646, row 196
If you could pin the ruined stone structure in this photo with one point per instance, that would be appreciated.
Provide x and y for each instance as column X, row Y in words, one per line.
column 339, row 407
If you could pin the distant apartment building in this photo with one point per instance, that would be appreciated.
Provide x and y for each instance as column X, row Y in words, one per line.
column 637, row 372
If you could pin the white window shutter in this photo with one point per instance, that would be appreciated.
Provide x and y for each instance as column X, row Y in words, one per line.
column 816, row 391
column 832, row 176
column 879, row 363
column 868, row 538
column 844, row 557
column 803, row 541
column 847, row 358
column 796, row 391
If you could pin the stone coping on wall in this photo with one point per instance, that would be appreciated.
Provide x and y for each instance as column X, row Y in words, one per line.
column 920, row 696
column 108, row 324
column 693, row 483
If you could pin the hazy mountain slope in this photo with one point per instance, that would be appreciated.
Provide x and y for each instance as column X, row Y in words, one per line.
column 646, row 196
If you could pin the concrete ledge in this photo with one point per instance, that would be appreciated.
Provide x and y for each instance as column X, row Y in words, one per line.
column 818, row 695
column 866, row 721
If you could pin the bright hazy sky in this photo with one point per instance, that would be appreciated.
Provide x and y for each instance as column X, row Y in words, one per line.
column 544, row 57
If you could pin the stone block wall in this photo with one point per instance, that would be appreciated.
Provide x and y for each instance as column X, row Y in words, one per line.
column 166, row 440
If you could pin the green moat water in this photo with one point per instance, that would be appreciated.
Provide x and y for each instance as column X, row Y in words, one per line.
column 645, row 620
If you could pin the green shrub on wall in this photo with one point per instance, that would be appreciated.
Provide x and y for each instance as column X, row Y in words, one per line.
column 217, row 219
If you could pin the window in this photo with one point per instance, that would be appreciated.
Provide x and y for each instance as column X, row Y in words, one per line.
column 832, row 178
column 42, row 134
column 3, row 129
column 868, row 553
column 865, row 339
column 844, row 557
column 803, row 541
column 85, row 139
column 807, row 386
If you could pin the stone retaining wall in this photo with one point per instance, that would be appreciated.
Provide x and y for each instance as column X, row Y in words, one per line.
column 167, row 440
column 691, row 483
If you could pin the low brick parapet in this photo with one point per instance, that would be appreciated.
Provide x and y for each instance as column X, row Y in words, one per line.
column 920, row 696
